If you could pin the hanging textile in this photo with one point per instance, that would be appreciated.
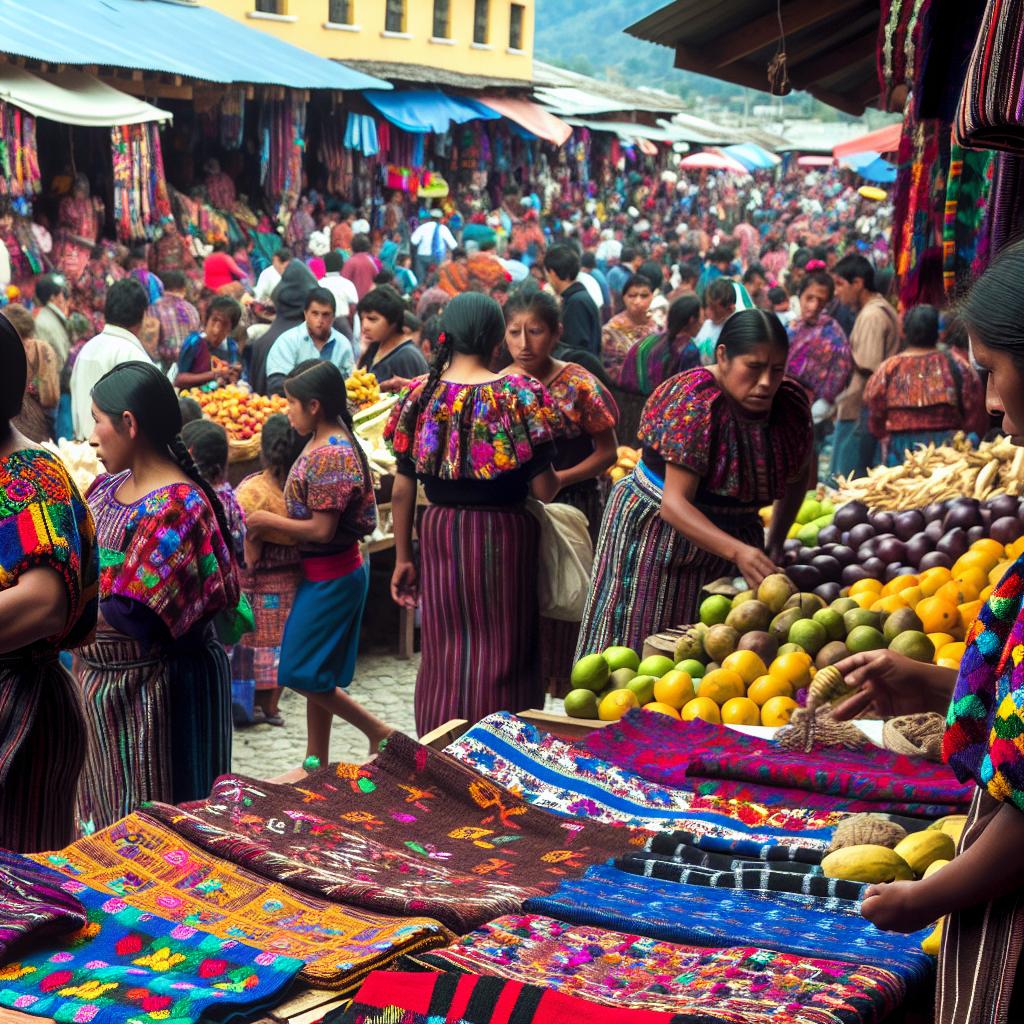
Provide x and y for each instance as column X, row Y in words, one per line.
column 232, row 118
column 1006, row 217
column 900, row 33
column 19, row 155
column 282, row 146
column 361, row 134
column 967, row 206
column 141, row 199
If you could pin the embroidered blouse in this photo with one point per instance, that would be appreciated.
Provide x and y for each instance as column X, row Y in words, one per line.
column 164, row 552
column 583, row 409
column 235, row 517
column 690, row 421
column 44, row 522
column 332, row 478
column 819, row 357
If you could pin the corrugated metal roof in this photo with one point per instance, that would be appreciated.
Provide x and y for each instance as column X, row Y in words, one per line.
column 581, row 94
column 398, row 71
column 174, row 38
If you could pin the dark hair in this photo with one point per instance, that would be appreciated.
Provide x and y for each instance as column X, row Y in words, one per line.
column 127, row 302
column 322, row 297
column 686, row 272
column 748, row 328
column 49, row 285
column 819, row 277
column 472, row 324
column 563, row 261
column 21, row 319
column 361, row 243
column 172, row 280
column 754, row 270
column 588, row 260
column 143, row 390
column 536, row 303
column 207, row 443
column 653, row 272
column 333, row 262
column 721, row 290
column 284, row 254
column 220, row 245
column 628, row 254
column 15, row 370
column 279, row 446
column 720, row 254
column 680, row 313
column 639, row 280
column 800, row 258
column 777, row 294
column 411, row 322
column 384, row 277
column 921, row 326
column 385, row 301
column 853, row 266
column 458, row 253
column 226, row 305
column 992, row 309
column 190, row 409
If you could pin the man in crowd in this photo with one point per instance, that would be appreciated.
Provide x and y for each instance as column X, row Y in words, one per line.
column 430, row 242
column 756, row 283
column 315, row 338
column 270, row 278
column 54, row 298
column 362, row 266
column 177, row 316
column 620, row 273
column 344, row 291
column 581, row 322
column 720, row 303
column 118, row 342
column 195, row 360
column 875, row 337
column 588, row 262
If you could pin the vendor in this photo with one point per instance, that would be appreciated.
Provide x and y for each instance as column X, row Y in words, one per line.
column 718, row 443
column 195, row 360
column 980, row 962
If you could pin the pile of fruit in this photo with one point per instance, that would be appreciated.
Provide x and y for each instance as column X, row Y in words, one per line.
column 362, row 388
column 238, row 410
column 368, row 426
column 815, row 514
column 932, row 474
column 625, row 462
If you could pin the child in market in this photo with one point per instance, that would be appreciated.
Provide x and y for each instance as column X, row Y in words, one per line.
column 207, row 443
column 199, row 350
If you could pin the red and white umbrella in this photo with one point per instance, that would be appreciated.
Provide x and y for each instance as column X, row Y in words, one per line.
column 709, row 160
column 815, row 161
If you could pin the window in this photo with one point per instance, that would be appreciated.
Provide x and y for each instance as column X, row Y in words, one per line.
column 481, row 15
column 394, row 16
column 270, row 6
column 340, row 12
column 515, row 27
column 442, row 19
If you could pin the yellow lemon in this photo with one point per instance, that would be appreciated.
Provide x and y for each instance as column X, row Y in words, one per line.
column 891, row 603
column 616, row 704
column 998, row 572
column 968, row 613
column 953, row 652
column 932, row 579
column 985, row 560
column 794, row 668
column 898, row 583
column 701, row 707
column 990, row 547
column 746, row 664
column 765, row 687
column 721, row 685
column 674, row 688
column 662, row 709
column 939, row 640
column 957, row 592
column 972, row 576
column 863, row 586
column 777, row 711
column 741, row 711
column 866, row 598
column 938, row 615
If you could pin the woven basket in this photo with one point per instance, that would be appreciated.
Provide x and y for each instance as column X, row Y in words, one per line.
column 243, row 451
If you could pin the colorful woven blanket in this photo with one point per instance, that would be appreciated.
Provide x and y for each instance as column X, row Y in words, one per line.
column 32, row 905
column 126, row 966
column 745, row 985
column 670, row 752
column 706, row 916
column 670, row 846
column 155, row 870
column 413, row 832
column 560, row 777
column 417, row 998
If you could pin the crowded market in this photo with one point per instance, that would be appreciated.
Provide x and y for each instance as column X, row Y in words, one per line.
column 680, row 463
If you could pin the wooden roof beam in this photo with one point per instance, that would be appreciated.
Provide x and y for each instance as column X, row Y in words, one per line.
column 827, row 64
column 796, row 16
column 741, row 73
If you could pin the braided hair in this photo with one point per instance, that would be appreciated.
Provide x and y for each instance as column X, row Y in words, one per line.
column 141, row 389
column 279, row 447
column 15, row 372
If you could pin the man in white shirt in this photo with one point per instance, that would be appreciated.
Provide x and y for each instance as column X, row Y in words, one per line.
column 423, row 244
column 593, row 288
column 270, row 277
column 343, row 290
column 118, row 342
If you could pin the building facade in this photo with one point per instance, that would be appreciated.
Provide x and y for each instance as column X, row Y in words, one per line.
column 483, row 38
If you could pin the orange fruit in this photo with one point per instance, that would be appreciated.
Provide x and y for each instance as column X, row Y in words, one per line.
column 778, row 711
column 990, row 547
column 939, row 640
column 674, row 688
column 892, row 603
column 741, row 711
column 969, row 612
column 766, row 687
column 952, row 663
column 998, row 573
column 954, row 651
column 912, row 595
column 973, row 576
column 875, row 586
column 722, row 684
column 702, row 708
column 1016, row 549
column 986, row 593
column 932, row 579
column 898, row 583
column 956, row 593
column 984, row 560
column 866, row 598
column 661, row 709
column 747, row 664
column 794, row 668
column 938, row 615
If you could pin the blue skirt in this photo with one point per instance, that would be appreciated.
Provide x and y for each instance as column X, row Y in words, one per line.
column 321, row 636
column 902, row 442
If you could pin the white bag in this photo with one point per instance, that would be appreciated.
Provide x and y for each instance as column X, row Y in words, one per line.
column 566, row 558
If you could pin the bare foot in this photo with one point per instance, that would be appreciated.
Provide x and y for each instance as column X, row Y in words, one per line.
column 294, row 775
column 378, row 737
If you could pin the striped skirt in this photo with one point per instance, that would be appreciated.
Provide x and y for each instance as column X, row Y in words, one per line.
column 478, row 589
column 647, row 576
column 271, row 593
column 42, row 750
column 159, row 722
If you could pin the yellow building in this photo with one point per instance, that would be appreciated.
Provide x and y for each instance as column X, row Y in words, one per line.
column 444, row 42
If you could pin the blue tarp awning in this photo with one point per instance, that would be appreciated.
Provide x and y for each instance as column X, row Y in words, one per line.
column 428, row 110
column 176, row 39
column 871, row 167
column 752, row 156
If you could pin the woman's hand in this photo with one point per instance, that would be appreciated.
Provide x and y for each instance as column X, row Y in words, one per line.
column 754, row 565
column 257, row 522
column 890, row 684
column 899, row 907
column 394, row 384
column 405, row 589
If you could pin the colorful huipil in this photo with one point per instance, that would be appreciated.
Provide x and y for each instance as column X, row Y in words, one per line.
column 618, row 336
column 646, row 575
column 44, row 523
column 819, row 357
column 156, row 682
column 476, row 447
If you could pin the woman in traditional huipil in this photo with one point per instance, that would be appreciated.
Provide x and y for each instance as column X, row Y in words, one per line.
column 156, row 680
column 78, row 227
column 718, row 443
column 47, row 602
column 480, row 442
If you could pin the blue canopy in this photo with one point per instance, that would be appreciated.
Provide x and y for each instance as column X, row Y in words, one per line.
column 752, row 156
column 428, row 110
column 177, row 39
column 871, row 167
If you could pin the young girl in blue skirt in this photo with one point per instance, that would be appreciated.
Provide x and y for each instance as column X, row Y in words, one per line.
column 330, row 506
